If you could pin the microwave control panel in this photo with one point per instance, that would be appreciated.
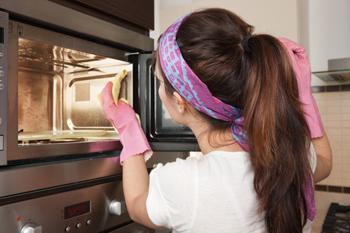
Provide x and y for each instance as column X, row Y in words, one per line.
column 3, row 84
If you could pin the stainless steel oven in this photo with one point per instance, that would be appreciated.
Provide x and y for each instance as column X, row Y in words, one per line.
column 59, row 169
column 90, row 206
column 51, row 82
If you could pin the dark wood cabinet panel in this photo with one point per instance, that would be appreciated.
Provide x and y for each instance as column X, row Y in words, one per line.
column 140, row 12
column 135, row 14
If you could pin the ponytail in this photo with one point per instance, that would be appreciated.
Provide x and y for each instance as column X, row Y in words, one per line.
column 278, row 135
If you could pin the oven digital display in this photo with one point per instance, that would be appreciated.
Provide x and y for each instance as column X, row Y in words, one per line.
column 76, row 209
column 1, row 35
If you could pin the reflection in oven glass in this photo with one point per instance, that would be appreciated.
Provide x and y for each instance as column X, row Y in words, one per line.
column 166, row 114
column 58, row 93
column 167, row 121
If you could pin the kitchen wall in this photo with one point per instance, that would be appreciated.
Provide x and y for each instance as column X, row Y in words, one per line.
column 325, row 30
column 261, row 14
column 335, row 111
column 329, row 31
column 334, row 108
column 156, row 32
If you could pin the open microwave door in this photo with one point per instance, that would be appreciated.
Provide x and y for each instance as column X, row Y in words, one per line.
column 162, row 132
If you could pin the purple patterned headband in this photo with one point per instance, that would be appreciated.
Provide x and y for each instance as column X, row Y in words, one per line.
column 190, row 87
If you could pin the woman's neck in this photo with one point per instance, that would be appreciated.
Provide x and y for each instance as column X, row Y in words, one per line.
column 213, row 140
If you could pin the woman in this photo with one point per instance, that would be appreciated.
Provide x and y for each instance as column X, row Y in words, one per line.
column 243, row 95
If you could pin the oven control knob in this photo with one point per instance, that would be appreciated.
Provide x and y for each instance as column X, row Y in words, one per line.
column 31, row 228
column 117, row 207
column 78, row 225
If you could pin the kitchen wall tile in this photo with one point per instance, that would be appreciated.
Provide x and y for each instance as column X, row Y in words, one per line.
column 345, row 121
column 345, row 154
column 346, row 131
column 333, row 116
column 318, row 96
column 345, row 95
column 323, row 201
column 333, row 95
column 336, row 141
column 346, row 182
column 332, row 124
column 335, row 113
column 333, row 132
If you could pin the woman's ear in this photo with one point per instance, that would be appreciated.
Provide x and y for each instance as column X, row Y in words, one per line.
column 180, row 102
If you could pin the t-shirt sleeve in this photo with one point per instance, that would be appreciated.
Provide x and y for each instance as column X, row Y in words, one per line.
column 172, row 194
column 313, row 158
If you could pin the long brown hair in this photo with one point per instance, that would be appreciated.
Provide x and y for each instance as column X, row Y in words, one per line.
column 253, row 72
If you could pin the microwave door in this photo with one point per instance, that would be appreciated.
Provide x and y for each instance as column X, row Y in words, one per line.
column 162, row 132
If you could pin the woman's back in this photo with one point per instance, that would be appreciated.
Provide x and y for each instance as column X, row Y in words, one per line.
column 211, row 193
column 226, row 197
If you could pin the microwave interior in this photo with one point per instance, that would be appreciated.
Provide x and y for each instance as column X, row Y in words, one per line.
column 58, row 91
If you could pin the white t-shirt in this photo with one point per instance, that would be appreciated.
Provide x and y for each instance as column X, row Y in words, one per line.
column 211, row 193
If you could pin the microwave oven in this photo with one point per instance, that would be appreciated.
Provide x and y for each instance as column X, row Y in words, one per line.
column 49, row 83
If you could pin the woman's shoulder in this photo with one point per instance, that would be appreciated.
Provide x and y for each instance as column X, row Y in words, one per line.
column 196, row 160
column 176, row 168
column 230, row 154
column 230, row 158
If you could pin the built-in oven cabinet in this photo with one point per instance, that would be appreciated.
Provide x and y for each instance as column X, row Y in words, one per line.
column 74, row 208
column 136, row 15
column 87, row 24
column 162, row 132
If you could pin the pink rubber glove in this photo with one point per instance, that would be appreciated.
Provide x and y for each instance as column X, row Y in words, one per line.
column 123, row 118
column 302, row 71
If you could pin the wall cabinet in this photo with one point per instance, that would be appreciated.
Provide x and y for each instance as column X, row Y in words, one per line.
column 137, row 15
column 324, row 30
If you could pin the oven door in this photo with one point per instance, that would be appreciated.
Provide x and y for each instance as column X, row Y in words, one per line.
column 53, row 84
column 162, row 132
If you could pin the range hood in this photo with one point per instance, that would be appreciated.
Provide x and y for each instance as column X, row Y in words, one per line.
column 338, row 72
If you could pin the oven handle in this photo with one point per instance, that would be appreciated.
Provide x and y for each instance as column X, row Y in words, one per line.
column 4, row 24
